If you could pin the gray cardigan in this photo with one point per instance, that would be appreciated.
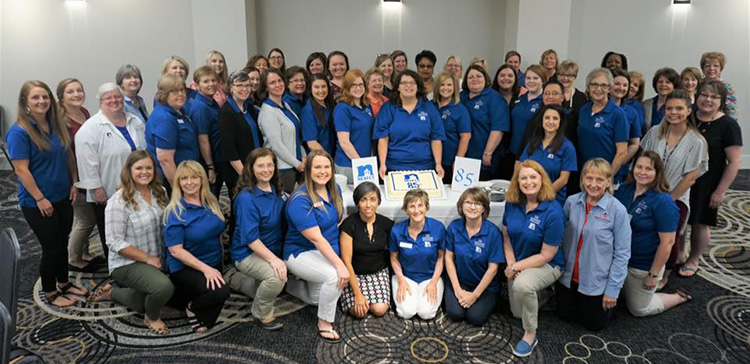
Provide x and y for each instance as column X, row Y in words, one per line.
column 280, row 135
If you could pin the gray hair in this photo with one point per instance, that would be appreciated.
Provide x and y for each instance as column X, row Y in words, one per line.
column 128, row 70
column 238, row 76
column 601, row 71
column 107, row 87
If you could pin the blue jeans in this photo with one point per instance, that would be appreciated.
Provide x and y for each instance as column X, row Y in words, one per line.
column 477, row 314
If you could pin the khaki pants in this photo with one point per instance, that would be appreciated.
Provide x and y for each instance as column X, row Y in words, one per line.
column 84, row 222
column 268, row 286
column 523, row 293
column 143, row 288
column 641, row 302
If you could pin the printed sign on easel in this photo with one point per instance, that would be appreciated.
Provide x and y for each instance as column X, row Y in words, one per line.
column 465, row 173
column 365, row 170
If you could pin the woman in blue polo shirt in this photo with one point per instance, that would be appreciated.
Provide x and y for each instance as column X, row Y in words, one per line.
column 619, row 95
column 603, row 130
column 205, row 115
column 549, row 147
column 653, row 218
column 596, row 246
column 318, row 131
column 473, row 251
column 456, row 121
column 193, row 224
column 664, row 82
column 39, row 148
column 354, row 123
column 257, row 239
column 296, row 88
column 171, row 136
column 311, row 247
column 490, row 118
column 526, row 107
column 417, row 247
column 409, row 129
column 532, row 233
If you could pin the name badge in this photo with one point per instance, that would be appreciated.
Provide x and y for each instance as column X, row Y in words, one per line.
column 427, row 244
column 180, row 121
column 405, row 245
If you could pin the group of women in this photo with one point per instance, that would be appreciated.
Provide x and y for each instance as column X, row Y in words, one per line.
column 275, row 135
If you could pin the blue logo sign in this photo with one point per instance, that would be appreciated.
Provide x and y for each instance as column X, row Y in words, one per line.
column 365, row 173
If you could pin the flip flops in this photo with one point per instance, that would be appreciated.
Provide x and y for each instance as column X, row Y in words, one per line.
column 684, row 294
column 99, row 291
column 684, row 269
column 68, row 287
column 329, row 340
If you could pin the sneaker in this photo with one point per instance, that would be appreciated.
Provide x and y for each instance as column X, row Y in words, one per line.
column 523, row 349
column 271, row 326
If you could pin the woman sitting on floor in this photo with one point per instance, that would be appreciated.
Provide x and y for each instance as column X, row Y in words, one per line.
column 364, row 242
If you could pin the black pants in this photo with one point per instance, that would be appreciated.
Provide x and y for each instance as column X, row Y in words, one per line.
column 230, row 178
column 477, row 314
column 52, row 232
column 448, row 177
column 216, row 186
column 573, row 306
column 288, row 178
column 190, row 287
column 99, row 214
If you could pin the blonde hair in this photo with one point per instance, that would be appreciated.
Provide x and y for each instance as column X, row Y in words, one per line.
column 568, row 67
column 24, row 118
column 713, row 56
column 601, row 166
column 546, row 192
column 167, row 84
column 208, row 200
column 456, row 87
column 445, row 66
column 168, row 61
column 224, row 75
column 416, row 194
column 346, row 87
column 331, row 186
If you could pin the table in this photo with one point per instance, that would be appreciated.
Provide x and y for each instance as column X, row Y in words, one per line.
column 442, row 210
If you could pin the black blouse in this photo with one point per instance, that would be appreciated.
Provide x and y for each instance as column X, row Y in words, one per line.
column 368, row 256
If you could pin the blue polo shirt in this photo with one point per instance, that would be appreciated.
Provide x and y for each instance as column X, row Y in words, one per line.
column 473, row 255
column 259, row 215
column 417, row 257
column 650, row 214
column 456, row 120
column 520, row 118
column 248, row 118
column 286, row 109
column 190, row 95
column 169, row 130
column 205, row 116
column 311, row 129
column 597, row 134
column 521, row 78
column 657, row 113
column 358, row 122
column 554, row 163
column 635, row 123
column 638, row 107
column 48, row 167
column 488, row 112
column 294, row 102
column 302, row 215
column 409, row 135
column 527, row 231
column 198, row 230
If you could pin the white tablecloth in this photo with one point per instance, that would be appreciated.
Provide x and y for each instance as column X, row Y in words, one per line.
column 442, row 210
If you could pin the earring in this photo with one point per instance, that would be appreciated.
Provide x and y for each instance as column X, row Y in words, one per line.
column 28, row 110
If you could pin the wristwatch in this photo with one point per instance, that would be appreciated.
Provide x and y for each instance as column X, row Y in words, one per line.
column 653, row 275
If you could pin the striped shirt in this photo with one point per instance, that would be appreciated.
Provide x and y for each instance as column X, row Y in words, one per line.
column 139, row 228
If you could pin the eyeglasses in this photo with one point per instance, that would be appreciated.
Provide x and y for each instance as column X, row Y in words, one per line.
column 112, row 98
column 712, row 97
column 552, row 93
column 178, row 91
column 601, row 86
column 566, row 76
column 242, row 86
column 473, row 204
column 358, row 85
column 276, row 58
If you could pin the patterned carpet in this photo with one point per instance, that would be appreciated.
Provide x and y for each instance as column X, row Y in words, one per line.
column 713, row 328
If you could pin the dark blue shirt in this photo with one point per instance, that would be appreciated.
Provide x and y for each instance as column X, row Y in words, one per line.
column 456, row 120
column 252, row 123
column 473, row 255
column 554, row 163
column 638, row 107
column 302, row 215
column 259, row 215
column 657, row 113
column 635, row 123
column 417, row 257
column 488, row 112
column 520, row 118
column 295, row 120
column 358, row 122
column 198, row 229
column 527, row 231
column 205, row 116
column 48, row 167
column 597, row 134
column 650, row 214
column 294, row 102
column 409, row 135
column 124, row 131
column 190, row 95
column 312, row 130
column 169, row 130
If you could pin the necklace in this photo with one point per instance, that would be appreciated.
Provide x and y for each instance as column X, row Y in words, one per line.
column 667, row 152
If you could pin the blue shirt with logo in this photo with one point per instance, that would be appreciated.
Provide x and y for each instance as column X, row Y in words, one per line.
column 598, row 134
column 170, row 130
column 198, row 230
column 358, row 122
column 294, row 102
column 417, row 257
column 635, row 123
column 259, row 216
column 473, row 255
column 520, row 118
column 488, row 112
column 650, row 213
column 312, row 130
column 302, row 215
column 456, row 120
column 409, row 135
column 527, row 231
column 205, row 116
column 48, row 167
column 554, row 163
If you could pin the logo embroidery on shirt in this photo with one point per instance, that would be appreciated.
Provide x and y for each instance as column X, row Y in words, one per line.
column 533, row 108
column 478, row 104
column 427, row 244
column 109, row 134
column 368, row 112
column 428, row 238
column 532, row 226
column 446, row 114
column 551, row 156
column 180, row 121
column 478, row 245
column 422, row 115
column 535, row 219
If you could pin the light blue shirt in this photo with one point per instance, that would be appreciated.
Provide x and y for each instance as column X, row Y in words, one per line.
column 603, row 263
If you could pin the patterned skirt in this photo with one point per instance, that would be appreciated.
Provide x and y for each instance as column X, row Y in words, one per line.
column 375, row 287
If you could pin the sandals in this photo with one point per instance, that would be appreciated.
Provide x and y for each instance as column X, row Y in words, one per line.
column 70, row 288
column 99, row 291
column 161, row 331
column 687, row 272
column 329, row 340
column 684, row 294
column 197, row 326
column 52, row 298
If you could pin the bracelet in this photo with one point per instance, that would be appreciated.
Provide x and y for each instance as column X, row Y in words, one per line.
column 40, row 198
column 211, row 167
column 485, row 153
column 653, row 275
column 513, row 267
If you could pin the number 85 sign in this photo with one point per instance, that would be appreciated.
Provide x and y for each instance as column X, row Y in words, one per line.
column 465, row 173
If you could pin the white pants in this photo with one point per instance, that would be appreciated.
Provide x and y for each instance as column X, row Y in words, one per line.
column 642, row 302
column 417, row 303
column 318, row 285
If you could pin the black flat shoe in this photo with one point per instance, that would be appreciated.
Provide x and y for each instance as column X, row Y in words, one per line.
column 271, row 326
